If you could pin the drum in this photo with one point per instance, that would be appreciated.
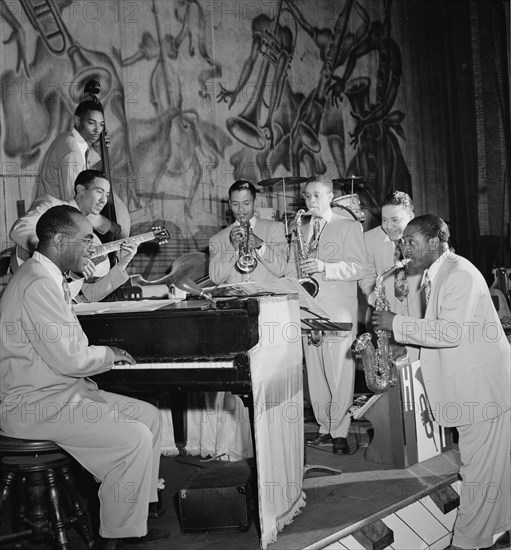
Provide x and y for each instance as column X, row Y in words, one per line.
column 350, row 207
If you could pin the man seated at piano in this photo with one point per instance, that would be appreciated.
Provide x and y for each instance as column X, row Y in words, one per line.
column 46, row 392
column 92, row 189
column 223, row 427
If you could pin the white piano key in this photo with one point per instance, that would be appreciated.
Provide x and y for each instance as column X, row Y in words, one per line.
column 185, row 365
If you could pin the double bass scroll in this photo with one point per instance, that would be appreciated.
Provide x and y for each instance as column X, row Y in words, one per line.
column 115, row 209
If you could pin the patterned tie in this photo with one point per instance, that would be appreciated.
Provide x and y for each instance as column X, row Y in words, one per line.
column 400, row 276
column 427, row 286
column 67, row 292
column 316, row 230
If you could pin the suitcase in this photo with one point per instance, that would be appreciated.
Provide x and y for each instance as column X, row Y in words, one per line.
column 217, row 498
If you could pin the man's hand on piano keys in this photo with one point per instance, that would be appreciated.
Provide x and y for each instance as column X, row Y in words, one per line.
column 121, row 356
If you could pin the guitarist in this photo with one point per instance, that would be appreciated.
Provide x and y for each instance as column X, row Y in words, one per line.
column 92, row 189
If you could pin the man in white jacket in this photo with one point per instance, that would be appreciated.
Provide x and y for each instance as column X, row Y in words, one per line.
column 466, row 365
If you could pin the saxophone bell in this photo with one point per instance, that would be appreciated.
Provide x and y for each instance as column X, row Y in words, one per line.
column 379, row 363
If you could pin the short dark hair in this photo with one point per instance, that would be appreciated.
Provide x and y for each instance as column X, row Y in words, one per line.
column 431, row 226
column 58, row 219
column 86, row 177
column 243, row 185
column 397, row 198
column 85, row 106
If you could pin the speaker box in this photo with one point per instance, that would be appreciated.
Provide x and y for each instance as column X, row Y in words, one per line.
column 217, row 498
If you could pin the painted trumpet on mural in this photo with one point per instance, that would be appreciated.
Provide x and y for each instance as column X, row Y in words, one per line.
column 303, row 252
column 247, row 260
column 312, row 111
column 378, row 363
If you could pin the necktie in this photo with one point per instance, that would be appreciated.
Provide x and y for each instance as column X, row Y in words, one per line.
column 87, row 159
column 316, row 230
column 65, row 288
column 400, row 276
column 427, row 286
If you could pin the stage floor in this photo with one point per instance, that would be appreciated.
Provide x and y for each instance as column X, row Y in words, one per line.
column 336, row 505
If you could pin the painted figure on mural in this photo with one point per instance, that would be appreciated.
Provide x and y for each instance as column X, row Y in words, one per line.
column 378, row 154
column 193, row 142
column 52, row 83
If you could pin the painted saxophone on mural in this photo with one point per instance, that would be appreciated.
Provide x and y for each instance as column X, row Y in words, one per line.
column 378, row 363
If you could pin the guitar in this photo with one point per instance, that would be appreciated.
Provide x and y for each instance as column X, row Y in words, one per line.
column 99, row 255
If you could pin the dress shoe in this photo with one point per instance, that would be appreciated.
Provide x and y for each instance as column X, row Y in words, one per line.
column 341, row 446
column 320, row 439
column 153, row 535
column 504, row 541
column 108, row 544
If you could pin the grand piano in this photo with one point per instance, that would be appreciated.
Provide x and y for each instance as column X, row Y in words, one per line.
column 247, row 345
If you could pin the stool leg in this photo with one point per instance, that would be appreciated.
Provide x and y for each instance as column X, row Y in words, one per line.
column 58, row 523
column 5, row 489
column 20, row 519
column 82, row 517
column 37, row 510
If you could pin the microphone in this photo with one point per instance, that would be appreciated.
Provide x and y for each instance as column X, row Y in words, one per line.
column 189, row 285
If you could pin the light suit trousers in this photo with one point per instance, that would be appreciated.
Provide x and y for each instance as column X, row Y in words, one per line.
column 118, row 440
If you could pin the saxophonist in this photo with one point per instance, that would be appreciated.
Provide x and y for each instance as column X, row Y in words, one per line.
column 383, row 249
column 337, row 266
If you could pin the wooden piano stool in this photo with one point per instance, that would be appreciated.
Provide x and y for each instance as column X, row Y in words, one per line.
column 36, row 475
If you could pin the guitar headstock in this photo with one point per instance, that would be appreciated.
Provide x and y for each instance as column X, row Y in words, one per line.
column 160, row 234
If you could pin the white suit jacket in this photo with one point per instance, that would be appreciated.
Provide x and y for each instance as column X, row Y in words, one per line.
column 24, row 235
column 271, row 264
column 465, row 355
column 341, row 247
column 380, row 256
column 45, row 354
column 63, row 161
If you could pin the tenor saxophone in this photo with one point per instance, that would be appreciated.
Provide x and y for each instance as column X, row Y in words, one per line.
column 303, row 252
column 378, row 363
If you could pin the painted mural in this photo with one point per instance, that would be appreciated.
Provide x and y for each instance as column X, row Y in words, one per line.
column 200, row 93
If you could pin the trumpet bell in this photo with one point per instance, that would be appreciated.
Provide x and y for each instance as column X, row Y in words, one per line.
column 246, row 263
column 246, row 131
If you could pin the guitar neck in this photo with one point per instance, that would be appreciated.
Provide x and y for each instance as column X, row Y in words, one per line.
column 103, row 249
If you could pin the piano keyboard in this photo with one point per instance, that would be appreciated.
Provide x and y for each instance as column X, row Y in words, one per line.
column 176, row 365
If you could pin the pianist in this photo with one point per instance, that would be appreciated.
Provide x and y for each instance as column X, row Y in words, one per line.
column 45, row 392
column 222, row 428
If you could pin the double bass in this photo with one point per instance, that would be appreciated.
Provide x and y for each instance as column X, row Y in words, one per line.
column 115, row 209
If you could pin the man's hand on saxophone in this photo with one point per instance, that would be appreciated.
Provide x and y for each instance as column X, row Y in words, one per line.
column 382, row 320
column 310, row 266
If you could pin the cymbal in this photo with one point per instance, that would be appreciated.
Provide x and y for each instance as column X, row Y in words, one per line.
column 287, row 180
column 354, row 179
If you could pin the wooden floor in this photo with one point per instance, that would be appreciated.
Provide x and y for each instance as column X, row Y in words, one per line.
column 336, row 504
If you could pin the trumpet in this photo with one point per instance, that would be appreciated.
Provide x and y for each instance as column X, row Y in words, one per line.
column 303, row 252
column 247, row 260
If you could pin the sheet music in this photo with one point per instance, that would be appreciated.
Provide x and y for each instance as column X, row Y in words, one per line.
column 127, row 306
column 283, row 285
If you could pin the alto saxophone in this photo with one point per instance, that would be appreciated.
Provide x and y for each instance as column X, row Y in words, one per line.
column 378, row 363
column 303, row 252
column 247, row 260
